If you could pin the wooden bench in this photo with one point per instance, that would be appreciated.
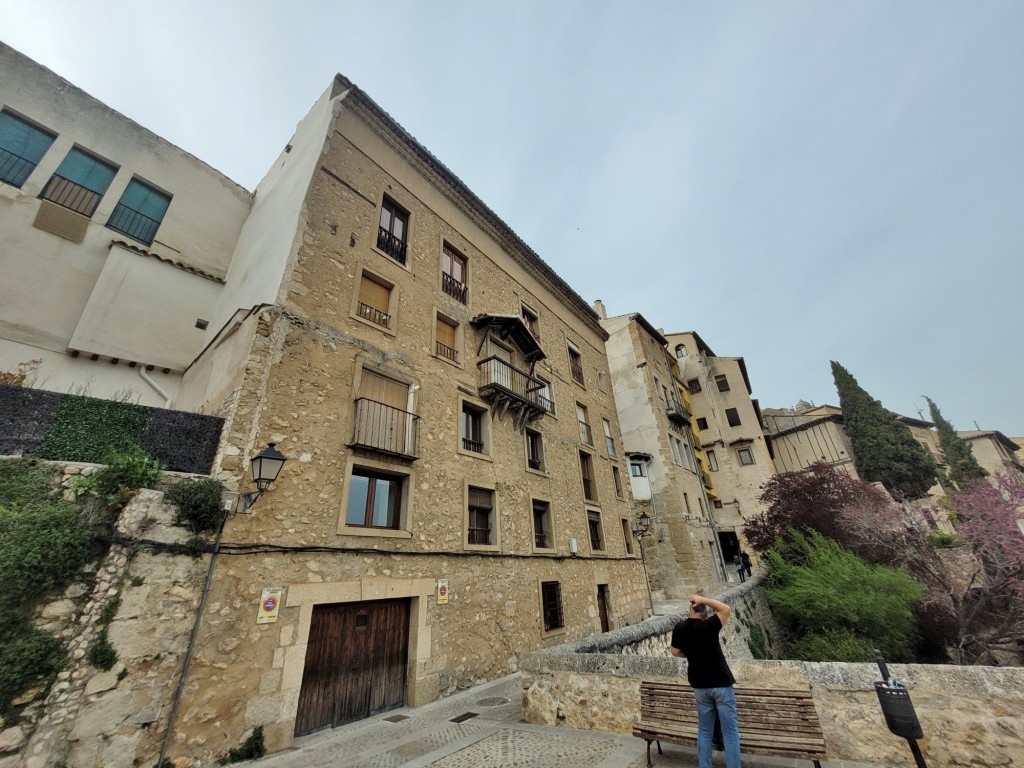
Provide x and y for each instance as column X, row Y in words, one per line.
column 782, row 723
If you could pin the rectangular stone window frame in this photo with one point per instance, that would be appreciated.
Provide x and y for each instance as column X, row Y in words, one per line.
column 440, row 348
column 575, row 364
column 712, row 460
column 595, row 531
column 745, row 456
column 609, row 439
column 586, row 431
column 536, row 461
column 362, row 315
column 588, row 480
column 453, row 260
column 531, row 317
column 549, row 525
column 627, row 536
column 617, row 482
column 480, row 409
column 495, row 528
column 552, row 608
column 384, row 200
column 405, row 521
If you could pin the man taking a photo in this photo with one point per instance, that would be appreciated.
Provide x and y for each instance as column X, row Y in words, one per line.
column 696, row 638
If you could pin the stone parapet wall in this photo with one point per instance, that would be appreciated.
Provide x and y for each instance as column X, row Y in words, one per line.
column 970, row 715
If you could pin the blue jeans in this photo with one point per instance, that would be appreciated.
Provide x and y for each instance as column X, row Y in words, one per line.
column 724, row 701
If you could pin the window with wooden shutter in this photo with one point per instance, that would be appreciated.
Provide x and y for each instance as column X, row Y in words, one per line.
column 445, row 334
column 374, row 301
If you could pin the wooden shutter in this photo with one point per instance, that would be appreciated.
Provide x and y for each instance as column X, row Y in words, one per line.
column 373, row 294
column 445, row 333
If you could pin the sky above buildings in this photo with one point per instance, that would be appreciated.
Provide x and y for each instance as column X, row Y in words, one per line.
column 796, row 181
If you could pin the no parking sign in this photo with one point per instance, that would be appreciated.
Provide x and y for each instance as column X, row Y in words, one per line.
column 270, row 604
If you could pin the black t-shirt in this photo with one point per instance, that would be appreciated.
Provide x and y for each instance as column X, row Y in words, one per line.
column 705, row 663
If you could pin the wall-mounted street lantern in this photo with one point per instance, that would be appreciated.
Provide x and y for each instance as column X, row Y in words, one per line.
column 643, row 525
column 266, row 466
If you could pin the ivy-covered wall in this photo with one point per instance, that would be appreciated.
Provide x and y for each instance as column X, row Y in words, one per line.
column 50, row 425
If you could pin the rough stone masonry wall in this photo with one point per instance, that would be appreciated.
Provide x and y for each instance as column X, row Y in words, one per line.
column 116, row 718
column 970, row 715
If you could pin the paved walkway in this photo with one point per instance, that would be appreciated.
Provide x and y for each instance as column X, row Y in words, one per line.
column 491, row 734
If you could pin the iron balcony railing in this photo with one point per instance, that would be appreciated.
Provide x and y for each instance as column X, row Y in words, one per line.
column 476, row 446
column 71, row 195
column 385, row 428
column 677, row 411
column 136, row 225
column 479, row 535
column 499, row 374
column 14, row 169
column 393, row 246
column 540, row 540
column 453, row 287
column 374, row 315
column 443, row 350
column 535, row 464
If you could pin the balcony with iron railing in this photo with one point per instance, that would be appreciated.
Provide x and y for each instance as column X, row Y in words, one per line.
column 502, row 381
column 480, row 536
column 540, row 541
column 576, row 369
column 476, row 446
column 385, row 429
column 443, row 350
column 73, row 196
column 136, row 225
column 374, row 315
column 535, row 464
column 395, row 247
column 14, row 169
column 454, row 288
column 677, row 411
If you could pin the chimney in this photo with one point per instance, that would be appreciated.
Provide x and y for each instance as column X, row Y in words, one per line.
column 601, row 311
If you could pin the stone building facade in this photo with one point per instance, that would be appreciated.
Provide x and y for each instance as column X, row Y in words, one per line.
column 731, row 433
column 667, row 465
column 454, row 496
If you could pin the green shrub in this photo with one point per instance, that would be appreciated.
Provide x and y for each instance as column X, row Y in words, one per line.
column 123, row 475
column 757, row 645
column 101, row 653
column 198, row 503
column 943, row 540
column 33, row 657
column 251, row 748
column 110, row 609
column 23, row 481
column 42, row 547
column 834, row 645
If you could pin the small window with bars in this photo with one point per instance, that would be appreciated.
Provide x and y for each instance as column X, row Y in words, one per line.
column 79, row 182
column 694, row 386
column 542, row 534
column 594, row 528
column 534, row 450
column 472, row 429
column 551, row 605
column 22, row 146
column 454, row 271
column 392, row 235
column 139, row 212
column 446, row 339
column 576, row 364
column 374, row 303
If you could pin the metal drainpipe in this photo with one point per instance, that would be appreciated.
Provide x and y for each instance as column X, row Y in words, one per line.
column 167, row 398
column 191, row 643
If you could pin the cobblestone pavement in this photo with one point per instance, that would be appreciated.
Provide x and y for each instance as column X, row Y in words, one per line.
column 492, row 736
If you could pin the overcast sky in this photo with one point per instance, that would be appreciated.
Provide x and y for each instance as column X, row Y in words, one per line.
column 796, row 181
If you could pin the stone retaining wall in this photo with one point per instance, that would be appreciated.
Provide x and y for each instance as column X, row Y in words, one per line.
column 970, row 715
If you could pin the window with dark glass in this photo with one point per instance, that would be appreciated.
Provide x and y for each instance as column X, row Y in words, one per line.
column 551, row 605
column 723, row 382
column 392, row 233
column 636, row 469
column 732, row 416
column 481, row 516
column 702, row 423
column 79, row 182
column 680, row 350
column 139, row 212
column 374, row 301
column 617, row 479
column 575, row 364
column 22, row 146
column 472, row 429
column 454, row 274
column 693, row 385
column 594, row 528
column 587, row 474
column 542, row 525
column 374, row 499
column 534, row 450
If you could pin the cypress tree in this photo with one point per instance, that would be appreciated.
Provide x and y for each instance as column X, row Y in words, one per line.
column 884, row 450
column 962, row 469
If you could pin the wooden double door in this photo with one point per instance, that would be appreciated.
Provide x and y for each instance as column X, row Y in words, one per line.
column 356, row 663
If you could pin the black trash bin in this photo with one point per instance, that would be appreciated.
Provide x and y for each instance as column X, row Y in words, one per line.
column 898, row 710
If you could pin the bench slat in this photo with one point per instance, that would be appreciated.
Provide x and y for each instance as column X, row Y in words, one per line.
column 780, row 722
